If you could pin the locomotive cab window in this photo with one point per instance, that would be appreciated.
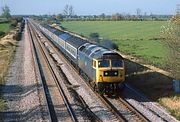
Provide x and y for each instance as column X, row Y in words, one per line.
column 116, row 63
column 94, row 64
column 103, row 63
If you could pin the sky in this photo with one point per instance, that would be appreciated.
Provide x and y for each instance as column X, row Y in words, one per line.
column 90, row 7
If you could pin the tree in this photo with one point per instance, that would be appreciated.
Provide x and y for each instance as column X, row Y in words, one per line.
column 6, row 12
column 138, row 12
column 71, row 11
column 117, row 17
column 171, row 33
column 68, row 11
column 102, row 16
column 65, row 11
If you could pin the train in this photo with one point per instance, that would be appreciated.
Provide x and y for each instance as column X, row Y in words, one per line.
column 103, row 68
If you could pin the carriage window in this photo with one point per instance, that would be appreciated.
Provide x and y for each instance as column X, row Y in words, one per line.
column 117, row 63
column 103, row 63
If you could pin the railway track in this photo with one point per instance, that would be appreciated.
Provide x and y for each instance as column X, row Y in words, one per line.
column 133, row 111
column 130, row 111
column 47, row 73
column 122, row 109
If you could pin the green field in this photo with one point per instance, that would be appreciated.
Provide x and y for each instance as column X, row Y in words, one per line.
column 4, row 27
column 137, row 38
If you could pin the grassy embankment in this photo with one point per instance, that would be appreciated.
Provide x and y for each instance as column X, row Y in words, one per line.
column 5, row 27
column 140, row 39
column 6, row 54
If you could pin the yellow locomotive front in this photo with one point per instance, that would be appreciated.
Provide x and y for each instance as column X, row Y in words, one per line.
column 110, row 74
column 110, row 71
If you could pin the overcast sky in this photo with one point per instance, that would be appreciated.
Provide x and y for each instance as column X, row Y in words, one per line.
column 92, row 7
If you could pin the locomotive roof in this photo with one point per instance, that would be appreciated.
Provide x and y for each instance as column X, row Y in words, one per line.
column 98, row 52
column 76, row 41
column 107, row 55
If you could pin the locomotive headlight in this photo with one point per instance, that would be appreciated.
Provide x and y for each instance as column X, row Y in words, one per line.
column 106, row 73
column 115, row 73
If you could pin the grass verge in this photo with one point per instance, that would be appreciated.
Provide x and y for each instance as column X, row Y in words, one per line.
column 172, row 104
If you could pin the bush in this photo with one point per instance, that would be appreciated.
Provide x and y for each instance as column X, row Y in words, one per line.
column 14, row 23
column 2, row 33
column 171, row 33
column 19, row 34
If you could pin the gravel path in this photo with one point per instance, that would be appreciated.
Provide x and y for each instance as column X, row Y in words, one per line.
column 21, row 89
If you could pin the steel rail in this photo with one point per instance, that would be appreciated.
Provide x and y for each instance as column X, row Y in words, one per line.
column 50, row 107
column 133, row 110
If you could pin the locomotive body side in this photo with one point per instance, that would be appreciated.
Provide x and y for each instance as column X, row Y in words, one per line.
column 85, row 64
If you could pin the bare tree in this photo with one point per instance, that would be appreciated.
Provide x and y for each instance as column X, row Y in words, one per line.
column 68, row 11
column 71, row 11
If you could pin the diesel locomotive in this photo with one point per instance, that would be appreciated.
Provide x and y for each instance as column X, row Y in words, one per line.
column 103, row 67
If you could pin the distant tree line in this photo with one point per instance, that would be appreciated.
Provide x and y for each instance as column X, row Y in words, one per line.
column 68, row 14
column 103, row 17
column 115, row 17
